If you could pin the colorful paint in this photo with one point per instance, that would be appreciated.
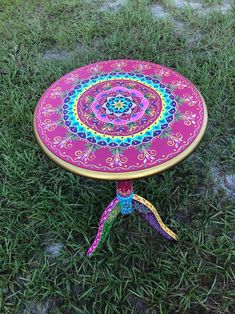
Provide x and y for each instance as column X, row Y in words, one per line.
column 105, row 224
column 139, row 204
column 119, row 116
column 125, row 195
column 120, row 120
column 149, row 212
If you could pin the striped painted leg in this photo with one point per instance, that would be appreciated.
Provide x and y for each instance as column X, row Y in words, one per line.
column 149, row 212
column 105, row 224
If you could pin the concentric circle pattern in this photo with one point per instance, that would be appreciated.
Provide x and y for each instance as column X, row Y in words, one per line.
column 119, row 117
column 119, row 99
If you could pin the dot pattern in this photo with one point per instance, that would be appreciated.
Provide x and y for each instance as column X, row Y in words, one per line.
column 119, row 117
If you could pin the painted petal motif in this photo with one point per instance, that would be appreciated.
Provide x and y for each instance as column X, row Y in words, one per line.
column 149, row 212
column 119, row 105
column 105, row 224
column 125, row 108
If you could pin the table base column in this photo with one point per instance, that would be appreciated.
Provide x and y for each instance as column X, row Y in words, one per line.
column 125, row 203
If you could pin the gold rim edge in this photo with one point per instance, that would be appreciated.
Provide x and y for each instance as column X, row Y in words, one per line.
column 131, row 175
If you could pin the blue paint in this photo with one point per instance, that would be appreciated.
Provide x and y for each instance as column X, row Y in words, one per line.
column 126, row 204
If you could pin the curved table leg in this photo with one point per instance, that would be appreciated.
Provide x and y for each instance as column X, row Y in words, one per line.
column 105, row 224
column 125, row 203
column 149, row 212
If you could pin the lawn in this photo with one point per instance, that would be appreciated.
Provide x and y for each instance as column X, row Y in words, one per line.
column 49, row 216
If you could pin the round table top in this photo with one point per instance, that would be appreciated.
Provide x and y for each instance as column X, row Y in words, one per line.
column 120, row 119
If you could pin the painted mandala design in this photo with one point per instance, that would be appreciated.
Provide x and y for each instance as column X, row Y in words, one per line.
column 119, row 116
column 119, row 106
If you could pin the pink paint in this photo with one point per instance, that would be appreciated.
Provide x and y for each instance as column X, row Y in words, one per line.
column 101, row 225
column 142, row 107
column 137, row 114
column 124, row 188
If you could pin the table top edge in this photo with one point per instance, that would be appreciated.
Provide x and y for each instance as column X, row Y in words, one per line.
column 131, row 175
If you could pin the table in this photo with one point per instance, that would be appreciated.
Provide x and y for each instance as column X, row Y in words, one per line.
column 121, row 120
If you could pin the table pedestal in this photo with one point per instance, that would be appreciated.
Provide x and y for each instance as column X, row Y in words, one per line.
column 126, row 202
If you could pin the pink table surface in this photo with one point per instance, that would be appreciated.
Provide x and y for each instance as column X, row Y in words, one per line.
column 120, row 116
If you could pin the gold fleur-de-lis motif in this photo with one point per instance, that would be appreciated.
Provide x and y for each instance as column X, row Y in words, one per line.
column 139, row 67
column 55, row 92
column 65, row 142
column 191, row 101
column 146, row 154
column 117, row 159
column 188, row 117
column 119, row 65
column 96, row 69
column 88, row 154
column 179, row 84
column 50, row 125
column 48, row 109
column 72, row 78
column 162, row 72
column 174, row 139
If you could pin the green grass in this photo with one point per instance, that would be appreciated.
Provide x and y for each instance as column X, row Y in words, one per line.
column 137, row 271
